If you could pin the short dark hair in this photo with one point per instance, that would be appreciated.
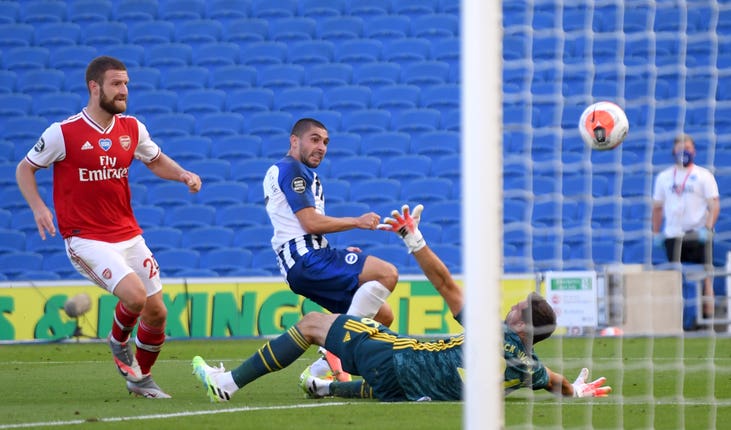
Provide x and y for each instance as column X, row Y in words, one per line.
column 539, row 317
column 303, row 125
column 682, row 137
column 98, row 67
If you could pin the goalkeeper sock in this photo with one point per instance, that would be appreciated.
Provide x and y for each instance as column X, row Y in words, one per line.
column 368, row 299
column 275, row 355
column 351, row 390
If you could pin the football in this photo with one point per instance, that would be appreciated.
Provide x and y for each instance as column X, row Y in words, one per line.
column 603, row 126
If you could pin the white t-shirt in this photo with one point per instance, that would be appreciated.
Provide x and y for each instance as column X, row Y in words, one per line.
column 684, row 193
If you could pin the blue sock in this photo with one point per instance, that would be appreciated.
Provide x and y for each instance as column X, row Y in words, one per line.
column 275, row 355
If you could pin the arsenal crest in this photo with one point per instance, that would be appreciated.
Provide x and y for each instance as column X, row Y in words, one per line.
column 125, row 141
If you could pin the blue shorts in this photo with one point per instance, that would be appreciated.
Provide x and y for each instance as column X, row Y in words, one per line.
column 365, row 348
column 328, row 277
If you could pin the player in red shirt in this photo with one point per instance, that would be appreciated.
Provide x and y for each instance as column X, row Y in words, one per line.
column 91, row 153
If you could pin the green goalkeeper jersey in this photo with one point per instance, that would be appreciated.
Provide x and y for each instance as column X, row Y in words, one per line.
column 522, row 369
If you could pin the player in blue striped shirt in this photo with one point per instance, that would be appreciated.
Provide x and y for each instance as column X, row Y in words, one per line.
column 400, row 368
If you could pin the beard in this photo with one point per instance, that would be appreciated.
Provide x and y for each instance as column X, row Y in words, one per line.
column 108, row 104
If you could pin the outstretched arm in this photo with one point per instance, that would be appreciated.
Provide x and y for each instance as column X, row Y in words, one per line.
column 580, row 388
column 316, row 223
column 166, row 168
column 407, row 226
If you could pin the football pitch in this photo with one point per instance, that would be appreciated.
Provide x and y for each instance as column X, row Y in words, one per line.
column 658, row 383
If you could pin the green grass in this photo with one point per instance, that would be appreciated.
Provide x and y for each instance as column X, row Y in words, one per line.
column 658, row 383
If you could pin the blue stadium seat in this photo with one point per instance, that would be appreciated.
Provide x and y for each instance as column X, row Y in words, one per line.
column 148, row 33
column 635, row 215
column 332, row 119
column 327, row 76
column 387, row 27
column 168, row 55
column 347, row 98
column 363, row 239
column 424, row 73
column 414, row 8
column 169, row 194
column 396, row 97
column 377, row 74
column 441, row 97
column 226, row 260
column 8, row 80
column 280, row 76
column 298, row 99
column 15, row 104
column 427, row 190
column 172, row 125
column 236, row 77
column 15, row 263
column 358, row 51
column 185, row 79
column 436, row 144
column 406, row 167
column 201, row 102
column 24, row 221
column 375, row 191
column 11, row 241
column 308, row 52
column 37, row 275
column 103, row 34
column 435, row 26
column 155, row 102
column 217, row 125
column 203, row 239
column 57, row 106
column 148, row 216
column 367, row 121
column 225, row 193
column 269, row 123
column 216, row 55
column 24, row 128
column 386, row 144
column 7, row 153
column 255, row 239
column 264, row 259
column 236, row 147
column 275, row 145
column 161, row 238
column 130, row 54
column 87, row 12
column 340, row 28
column 56, row 34
column 346, row 207
column 174, row 260
column 369, row 8
column 10, row 12
column 417, row 121
column 40, row 81
column 246, row 30
column 182, row 11
column 451, row 255
column 356, row 168
column 228, row 10
column 58, row 262
column 211, row 170
column 394, row 254
column 407, row 50
column 135, row 11
column 636, row 184
column 25, row 58
column 250, row 100
column 189, row 217
column 251, row 170
column 343, row 145
column 292, row 29
column 448, row 167
column 35, row 243
column 451, row 120
column 140, row 78
column 320, row 9
column 273, row 9
column 241, row 216
column 16, row 35
column 40, row 12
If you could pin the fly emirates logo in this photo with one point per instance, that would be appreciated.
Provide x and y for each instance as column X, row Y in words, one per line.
column 107, row 171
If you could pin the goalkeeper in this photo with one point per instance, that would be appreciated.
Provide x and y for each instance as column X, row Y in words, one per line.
column 399, row 368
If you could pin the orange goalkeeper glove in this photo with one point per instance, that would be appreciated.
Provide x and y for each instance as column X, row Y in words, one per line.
column 590, row 389
column 406, row 226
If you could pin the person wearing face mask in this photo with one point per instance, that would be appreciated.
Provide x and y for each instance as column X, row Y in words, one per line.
column 686, row 197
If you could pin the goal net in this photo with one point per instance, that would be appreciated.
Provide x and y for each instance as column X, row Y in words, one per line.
column 578, row 221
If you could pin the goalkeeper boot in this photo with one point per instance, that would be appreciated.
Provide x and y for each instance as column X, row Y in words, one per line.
column 321, row 368
column 314, row 388
column 209, row 378
column 125, row 360
column 146, row 387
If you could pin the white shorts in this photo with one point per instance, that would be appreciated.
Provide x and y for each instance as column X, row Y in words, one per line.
column 105, row 264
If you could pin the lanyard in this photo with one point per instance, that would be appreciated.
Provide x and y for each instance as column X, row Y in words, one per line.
column 678, row 189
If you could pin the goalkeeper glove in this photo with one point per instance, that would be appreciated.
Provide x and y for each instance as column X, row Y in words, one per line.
column 590, row 389
column 407, row 226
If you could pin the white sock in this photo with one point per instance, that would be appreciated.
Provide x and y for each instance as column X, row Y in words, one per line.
column 226, row 381
column 368, row 299
column 320, row 368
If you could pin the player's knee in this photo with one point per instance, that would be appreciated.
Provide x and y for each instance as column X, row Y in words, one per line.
column 385, row 315
column 388, row 275
column 314, row 327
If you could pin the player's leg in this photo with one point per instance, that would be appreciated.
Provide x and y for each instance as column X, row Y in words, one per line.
column 376, row 282
column 275, row 355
